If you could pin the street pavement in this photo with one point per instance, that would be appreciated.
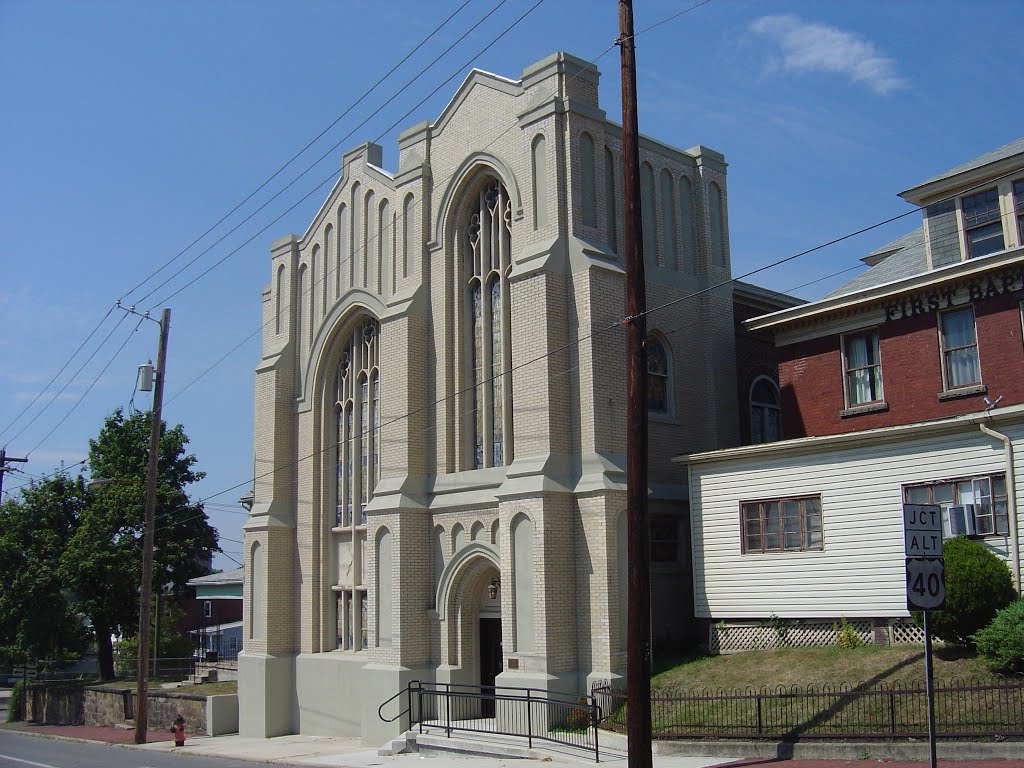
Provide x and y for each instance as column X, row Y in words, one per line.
column 86, row 747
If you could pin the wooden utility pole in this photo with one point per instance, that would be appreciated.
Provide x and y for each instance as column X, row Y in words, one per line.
column 638, row 646
column 146, row 588
column 4, row 469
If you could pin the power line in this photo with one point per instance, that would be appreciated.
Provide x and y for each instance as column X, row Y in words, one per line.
column 300, row 152
column 220, row 507
column 242, row 203
column 55, row 377
column 73, row 376
column 330, row 178
column 89, row 388
column 451, row 77
column 308, row 168
column 605, row 329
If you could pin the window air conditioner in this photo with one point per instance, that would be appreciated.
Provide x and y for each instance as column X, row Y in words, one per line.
column 960, row 520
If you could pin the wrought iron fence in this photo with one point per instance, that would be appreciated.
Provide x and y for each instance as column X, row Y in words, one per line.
column 170, row 669
column 527, row 712
column 963, row 709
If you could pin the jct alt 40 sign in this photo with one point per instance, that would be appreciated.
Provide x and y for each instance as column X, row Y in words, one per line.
column 926, row 576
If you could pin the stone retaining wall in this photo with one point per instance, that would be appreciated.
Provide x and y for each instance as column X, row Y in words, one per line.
column 76, row 704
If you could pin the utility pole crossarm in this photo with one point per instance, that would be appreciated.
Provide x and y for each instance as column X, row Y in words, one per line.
column 4, row 461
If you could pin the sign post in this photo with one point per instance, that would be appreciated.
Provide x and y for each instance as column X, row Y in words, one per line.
column 926, row 585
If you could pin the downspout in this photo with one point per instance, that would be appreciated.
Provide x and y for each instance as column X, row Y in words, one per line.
column 1011, row 502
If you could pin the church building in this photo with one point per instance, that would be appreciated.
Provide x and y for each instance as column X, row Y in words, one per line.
column 440, row 408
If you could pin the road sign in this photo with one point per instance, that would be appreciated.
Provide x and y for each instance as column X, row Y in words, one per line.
column 926, row 583
column 922, row 530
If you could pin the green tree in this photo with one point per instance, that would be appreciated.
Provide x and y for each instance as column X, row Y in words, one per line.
column 103, row 556
column 37, row 615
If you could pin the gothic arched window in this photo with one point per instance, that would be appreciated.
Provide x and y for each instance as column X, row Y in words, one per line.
column 486, row 243
column 357, row 411
column 659, row 377
column 765, row 411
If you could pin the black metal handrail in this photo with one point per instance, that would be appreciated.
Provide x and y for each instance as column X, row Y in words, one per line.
column 532, row 713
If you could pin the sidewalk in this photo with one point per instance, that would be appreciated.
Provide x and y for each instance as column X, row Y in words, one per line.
column 342, row 752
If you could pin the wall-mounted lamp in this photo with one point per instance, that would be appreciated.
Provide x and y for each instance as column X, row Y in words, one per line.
column 492, row 589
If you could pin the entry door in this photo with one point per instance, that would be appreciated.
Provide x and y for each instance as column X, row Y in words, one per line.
column 490, row 661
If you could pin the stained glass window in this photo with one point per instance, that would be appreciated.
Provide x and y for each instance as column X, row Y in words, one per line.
column 358, row 408
column 487, row 243
column 658, row 377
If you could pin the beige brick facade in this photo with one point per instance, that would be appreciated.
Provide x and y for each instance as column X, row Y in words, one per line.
column 527, row 498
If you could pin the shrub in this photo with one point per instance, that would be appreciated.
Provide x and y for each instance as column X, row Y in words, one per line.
column 1002, row 641
column 978, row 584
column 846, row 635
column 16, row 704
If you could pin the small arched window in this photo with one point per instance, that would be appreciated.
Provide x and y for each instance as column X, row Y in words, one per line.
column 659, row 377
column 341, row 257
column 279, row 304
column 610, row 210
column 716, row 202
column 668, row 223
column 329, row 267
column 540, row 181
column 257, row 574
column 588, row 180
column 765, row 411
column 649, row 216
column 409, row 243
column 689, row 226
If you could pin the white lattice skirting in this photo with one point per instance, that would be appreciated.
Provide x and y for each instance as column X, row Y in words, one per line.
column 731, row 637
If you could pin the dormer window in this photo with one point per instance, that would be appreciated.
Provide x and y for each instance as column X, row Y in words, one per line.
column 982, row 224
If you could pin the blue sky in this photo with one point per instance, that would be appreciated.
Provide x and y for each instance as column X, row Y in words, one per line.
column 129, row 129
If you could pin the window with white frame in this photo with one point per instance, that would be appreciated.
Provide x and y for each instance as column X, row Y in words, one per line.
column 862, row 368
column 973, row 506
column 959, row 341
column 659, row 377
column 983, row 226
column 207, row 609
column 781, row 525
column 765, row 411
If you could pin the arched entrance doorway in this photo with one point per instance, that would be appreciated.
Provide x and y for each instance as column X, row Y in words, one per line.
column 470, row 598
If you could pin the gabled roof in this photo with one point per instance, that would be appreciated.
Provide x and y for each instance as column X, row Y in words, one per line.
column 1015, row 147
column 234, row 576
column 902, row 258
column 1007, row 158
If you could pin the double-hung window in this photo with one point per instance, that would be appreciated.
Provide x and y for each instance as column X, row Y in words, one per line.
column 863, row 369
column 974, row 506
column 664, row 539
column 982, row 223
column 959, row 341
column 781, row 525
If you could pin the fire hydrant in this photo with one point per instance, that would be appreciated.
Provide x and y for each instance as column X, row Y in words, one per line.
column 178, row 729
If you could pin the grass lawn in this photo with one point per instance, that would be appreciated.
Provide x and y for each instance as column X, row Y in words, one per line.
column 832, row 665
column 680, row 706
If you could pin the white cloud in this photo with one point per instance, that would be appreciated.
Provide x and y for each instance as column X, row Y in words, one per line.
column 812, row 47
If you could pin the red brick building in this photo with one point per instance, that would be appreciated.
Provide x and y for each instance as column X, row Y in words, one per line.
column 904, row 386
